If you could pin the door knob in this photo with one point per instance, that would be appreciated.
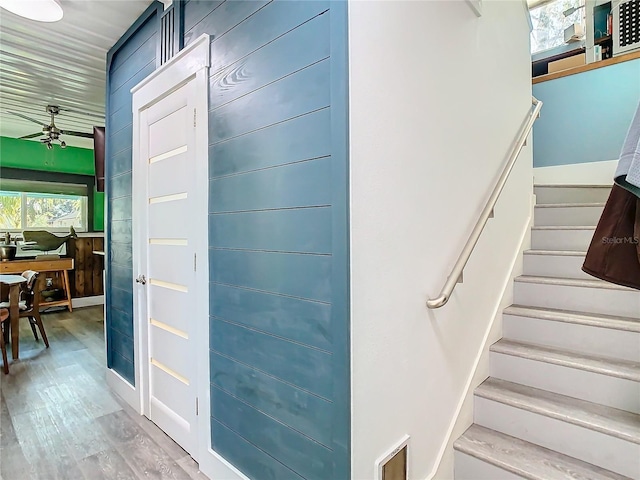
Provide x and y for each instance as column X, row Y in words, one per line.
column 141, row 279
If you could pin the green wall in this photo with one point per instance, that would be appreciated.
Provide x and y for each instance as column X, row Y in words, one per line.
column 30, row 155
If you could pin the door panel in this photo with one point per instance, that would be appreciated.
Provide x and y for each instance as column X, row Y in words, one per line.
column 170, row 270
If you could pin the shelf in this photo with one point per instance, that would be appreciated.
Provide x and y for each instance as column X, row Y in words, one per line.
column 601, row 40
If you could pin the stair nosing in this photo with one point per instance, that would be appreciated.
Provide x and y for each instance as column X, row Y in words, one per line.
column 574, row 185
column 561, row 407
column 509, row 463
column 563, row 227
column 570, row 205
column 572, row 282
column 559, row 253
column 569, row 358
column 627, row 324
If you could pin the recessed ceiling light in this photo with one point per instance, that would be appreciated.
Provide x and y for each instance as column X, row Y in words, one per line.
column 38, row 10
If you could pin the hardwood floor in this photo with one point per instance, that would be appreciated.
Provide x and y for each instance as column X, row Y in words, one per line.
column 59, row 420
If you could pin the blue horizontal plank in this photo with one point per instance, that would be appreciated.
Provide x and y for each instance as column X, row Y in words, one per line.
column 120, row 321
column 121, row 275
column 122, row 344
column 120, row 231
column 120, row 208
column 120, row 118
column 121, row 98
column 304, row 184
column 301, row 276
column 306, row 457
column 121, row 139
column 301, row 138
column 271, row 22
column 299, row 320
column 296, row 364
column 136, row 62
column 249, row 459
column 296, row 230
column 294, row 51
column 120, row 186
column 297, row 94
column 223, row 19
column 300, row 410
column 121, row 254
column 196, row 10
column 121, row 299
column 123, row 366
column 131, row 46
column 119, row 163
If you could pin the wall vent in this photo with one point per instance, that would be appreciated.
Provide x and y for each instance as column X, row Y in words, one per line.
column 626, row 26
column 395, row 464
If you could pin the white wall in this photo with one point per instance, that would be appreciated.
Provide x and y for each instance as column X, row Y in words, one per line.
column 437, row 96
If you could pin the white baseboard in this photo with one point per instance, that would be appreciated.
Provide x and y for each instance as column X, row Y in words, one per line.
column 87, row 301
column 216, row 467
column 505, row 300
column 591, row 173
column 123, row 389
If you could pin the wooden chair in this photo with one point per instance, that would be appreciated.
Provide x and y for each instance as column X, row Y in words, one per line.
column 30, row 305
column 4, row 316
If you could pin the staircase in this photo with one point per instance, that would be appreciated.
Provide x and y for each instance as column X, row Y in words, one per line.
column 563, row 398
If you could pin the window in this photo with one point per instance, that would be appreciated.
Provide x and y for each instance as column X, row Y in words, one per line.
column 42, row 206
column 549, row 23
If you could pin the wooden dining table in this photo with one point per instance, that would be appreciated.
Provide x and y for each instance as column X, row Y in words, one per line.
column 13, row 281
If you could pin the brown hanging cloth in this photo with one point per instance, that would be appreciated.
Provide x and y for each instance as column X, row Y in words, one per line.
column 614, row 253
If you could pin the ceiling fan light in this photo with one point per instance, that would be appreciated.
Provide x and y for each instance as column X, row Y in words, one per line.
column 38, row 10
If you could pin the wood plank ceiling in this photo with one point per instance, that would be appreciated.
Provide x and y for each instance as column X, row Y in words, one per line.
column 61, row 63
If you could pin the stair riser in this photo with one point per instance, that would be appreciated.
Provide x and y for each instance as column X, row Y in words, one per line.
column 546, row 195
column 584, row 338
column 467, row 467
column 572, row 382
column 577, row 240
column 559, row 266
column 573, row 216
column 599, row 449
column 625, row 303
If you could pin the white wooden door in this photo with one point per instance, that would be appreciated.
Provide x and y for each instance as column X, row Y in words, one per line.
column 167, row 148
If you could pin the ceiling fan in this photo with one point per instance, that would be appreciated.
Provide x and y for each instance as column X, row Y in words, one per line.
column 51, row 132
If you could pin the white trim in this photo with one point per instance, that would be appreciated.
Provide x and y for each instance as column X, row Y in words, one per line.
column 123, row 389
column 590, row 173
column 191, row 64
column 87, row 301
column 500, row 305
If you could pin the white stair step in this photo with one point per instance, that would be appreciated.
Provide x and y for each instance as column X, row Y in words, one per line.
column 575, row 238
column 559, row 214
column 599, row 435
column 608, row 381
column 592, row 296
column 555, row 263
column 615, row 337
column 546, row 194
column 484, row 454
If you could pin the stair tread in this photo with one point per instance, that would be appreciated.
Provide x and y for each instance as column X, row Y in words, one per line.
column 566, row 185
column 593, row 319
column 607, row 420
column 573, row 282
column 613, row 367
column 527, row 459
column 566, row 253
column 563, row 227
column 569, row 205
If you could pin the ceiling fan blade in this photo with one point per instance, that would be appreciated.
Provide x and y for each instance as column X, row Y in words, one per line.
column 76, row 134
column 26, row 118
column 33, row 135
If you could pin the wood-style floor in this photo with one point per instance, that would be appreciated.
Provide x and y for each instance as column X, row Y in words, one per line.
column 59, row 420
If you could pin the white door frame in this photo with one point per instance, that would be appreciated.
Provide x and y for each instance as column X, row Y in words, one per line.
column 190, row 64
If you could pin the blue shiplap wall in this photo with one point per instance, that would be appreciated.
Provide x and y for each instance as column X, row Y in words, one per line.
column 279, row 336
column 129, row 61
